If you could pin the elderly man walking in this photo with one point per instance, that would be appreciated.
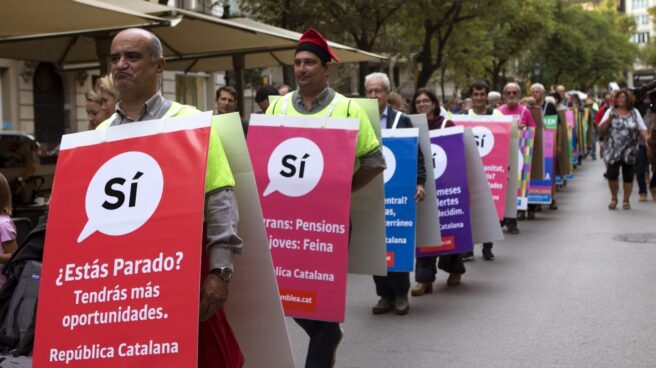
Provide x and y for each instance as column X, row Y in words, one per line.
column 393, row 289
column 512, row 95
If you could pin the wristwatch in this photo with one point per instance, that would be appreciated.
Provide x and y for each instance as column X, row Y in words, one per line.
column 225, row 273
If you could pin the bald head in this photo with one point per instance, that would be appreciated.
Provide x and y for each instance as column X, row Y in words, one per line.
column 561, row 91
column 156, row 50
column 136, row 64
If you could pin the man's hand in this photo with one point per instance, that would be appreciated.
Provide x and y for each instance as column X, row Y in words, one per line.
column 421, row 193
column 213, row 293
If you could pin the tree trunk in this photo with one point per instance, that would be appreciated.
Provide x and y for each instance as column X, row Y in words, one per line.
column 363, row 70
column 442, row 75
column 424, row 76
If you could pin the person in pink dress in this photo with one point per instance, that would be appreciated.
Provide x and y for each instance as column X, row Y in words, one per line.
column 7, row 227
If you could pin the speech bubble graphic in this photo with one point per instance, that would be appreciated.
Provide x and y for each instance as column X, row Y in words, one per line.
column 439, row 160
column 122, row 195
column 390, row 161
column 484, row 140
column 295, row 167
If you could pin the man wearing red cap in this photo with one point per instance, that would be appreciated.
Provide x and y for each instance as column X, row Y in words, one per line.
column 312, row 67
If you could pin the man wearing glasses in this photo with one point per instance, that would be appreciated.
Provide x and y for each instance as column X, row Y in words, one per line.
column 512, row 95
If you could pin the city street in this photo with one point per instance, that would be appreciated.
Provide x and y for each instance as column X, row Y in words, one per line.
column 565, row 292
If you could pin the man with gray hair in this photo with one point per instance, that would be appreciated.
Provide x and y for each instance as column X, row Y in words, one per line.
column 512, row 95
column 393, row 289
column 137, row 65
column 494, row 99
column 547, row 108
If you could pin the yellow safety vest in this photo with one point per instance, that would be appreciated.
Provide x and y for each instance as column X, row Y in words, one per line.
column 218, row 173
column 340, row 107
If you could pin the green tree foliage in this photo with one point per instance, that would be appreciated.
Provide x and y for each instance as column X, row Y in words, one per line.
column 511, row 30
column 357, row 22
column 440, row 22
column 584, row 48
column 459, row 41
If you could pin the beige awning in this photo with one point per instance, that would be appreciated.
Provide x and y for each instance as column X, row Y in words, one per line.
column 34, row 17
column 268, row 55
column 197, row 42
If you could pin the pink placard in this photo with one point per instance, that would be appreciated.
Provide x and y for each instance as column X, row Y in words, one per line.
column 304, row 178
column 493, row 142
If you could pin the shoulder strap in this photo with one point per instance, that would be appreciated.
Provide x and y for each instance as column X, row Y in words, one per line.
column 333, row 103
column 273, row 111
column 285, row 102
column 396, row 120
column 443, row 124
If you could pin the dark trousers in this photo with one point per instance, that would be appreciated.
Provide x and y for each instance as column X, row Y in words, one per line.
column 642, row 167
column 426, row 267
column 324, row 338
column 510, row 222
column 613, row 172
column 395, row 284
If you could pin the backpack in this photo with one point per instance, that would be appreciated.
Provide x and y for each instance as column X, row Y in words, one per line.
column 19, row 294
column 17, row 328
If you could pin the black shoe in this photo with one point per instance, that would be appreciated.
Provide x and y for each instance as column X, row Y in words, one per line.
column 401, row 305
column 339, row 340
column 513, row 229
column 384, row 305
column 469, row 256
column 487, row 254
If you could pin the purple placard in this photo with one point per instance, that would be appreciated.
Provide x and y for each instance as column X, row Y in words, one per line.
column 448, row 159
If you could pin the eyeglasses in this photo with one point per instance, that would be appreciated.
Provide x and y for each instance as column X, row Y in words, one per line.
column 511, row 93
column 423, row 101
column 374, row 91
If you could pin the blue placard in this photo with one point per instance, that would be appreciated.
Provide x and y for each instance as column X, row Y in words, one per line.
column 400, row 208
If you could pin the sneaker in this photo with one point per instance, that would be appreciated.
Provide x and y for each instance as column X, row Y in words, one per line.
column 453, row 280
column 530, row 214
column 513, row 230
column 521, row 215
column 487, row 254
column 401, row 305
column 643, row 197
column 383, row 306
column 421, row 289
column 469, row 256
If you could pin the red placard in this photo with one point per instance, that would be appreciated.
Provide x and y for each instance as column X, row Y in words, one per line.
column 304, row 178
column 121, row 269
